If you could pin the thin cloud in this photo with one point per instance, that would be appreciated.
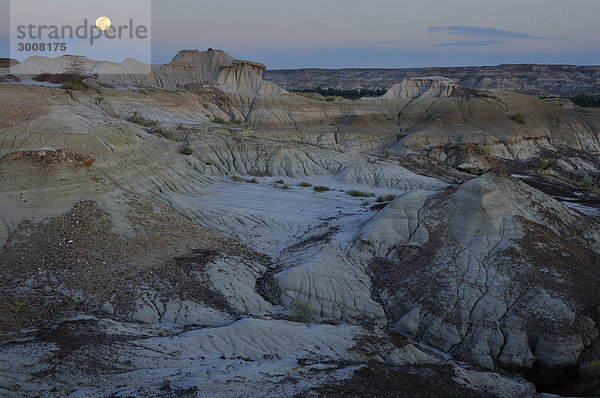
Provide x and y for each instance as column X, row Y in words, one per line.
column 479, row 32
column 473, row 43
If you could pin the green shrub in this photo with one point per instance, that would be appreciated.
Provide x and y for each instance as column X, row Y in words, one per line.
column 305, row 184
column 237, row 178
column 476, row 171
column 187, row 150
column 20, row 304
column 302, row 311
column 220, row 120
column 399, row 136
column 330, row 98
column 543, row 164
column 482, row 149
column 321, row 188
column 386, row 198
column 285, row 187
column 388, row 153
column 252, row 181
column 280, row 181
column 75, row 84
column 142, row 121
column 519, row 118
column 70, row 301
column 161, row 132
column 360, row 194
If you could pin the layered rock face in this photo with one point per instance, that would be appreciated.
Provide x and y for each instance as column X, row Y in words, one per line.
column 422, row 88
column 565, row 80
column 188, row 68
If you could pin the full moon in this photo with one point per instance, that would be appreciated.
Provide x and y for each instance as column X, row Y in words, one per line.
column 103, row 23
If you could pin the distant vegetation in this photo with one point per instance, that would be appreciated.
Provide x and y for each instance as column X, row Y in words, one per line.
column 588, row 101
column 321, row 188
column 142, row 121
column 305, row 184
column 360, row 194
column 331, row 93
column 386, row 198
column 152, row 126
column 75, row 84
column 584, row 100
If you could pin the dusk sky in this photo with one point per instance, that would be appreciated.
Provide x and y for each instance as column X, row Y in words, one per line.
column 377, row 33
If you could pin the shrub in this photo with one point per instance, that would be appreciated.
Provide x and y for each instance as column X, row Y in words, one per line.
column 305, row 184
column 330, row 98
column 543, row 164
column 75, row 84
column 161, row 132
column 399, row 136
column 476, row 171
column 587, row 181
column 20, row 304
column 388, row 153
column 519, row 118
column 280, row 181
column 360, row 194
column 142, row 121
column 70, row 301
column 220, row 120
column 386, row 198
column 187, row 150
column 321, row 188
column 285, row 187
column 552, row 163
column 482, row 149
column 302, row 311
column 237, row 178
column 252, row 181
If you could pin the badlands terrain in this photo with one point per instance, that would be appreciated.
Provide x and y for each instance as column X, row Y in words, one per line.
column 191, row 229
column 558, row 80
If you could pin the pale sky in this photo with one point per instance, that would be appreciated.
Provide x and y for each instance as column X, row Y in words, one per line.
column 378, row 33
